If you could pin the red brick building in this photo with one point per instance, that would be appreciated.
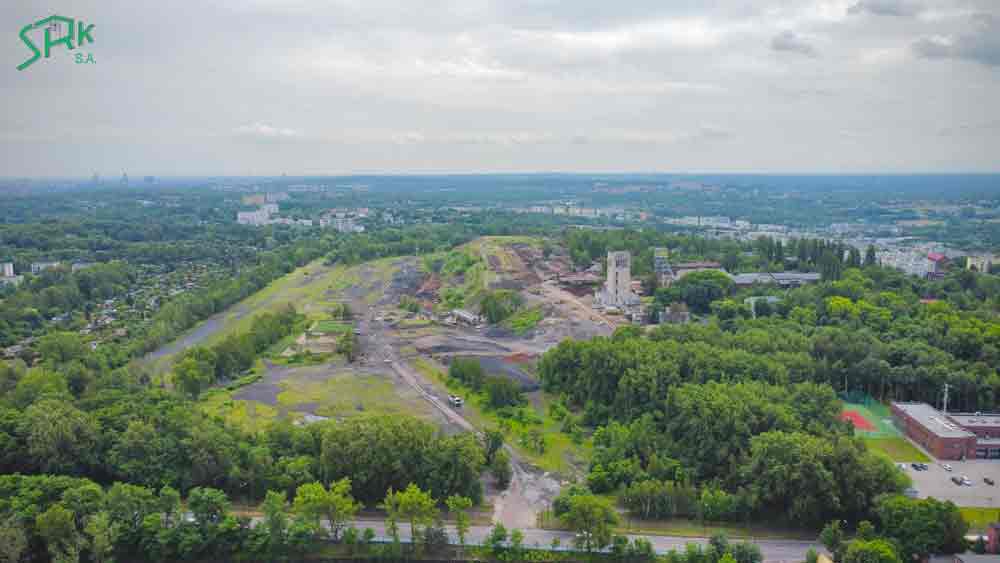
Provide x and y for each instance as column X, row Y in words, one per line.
column 935, row 431
column 953, row 436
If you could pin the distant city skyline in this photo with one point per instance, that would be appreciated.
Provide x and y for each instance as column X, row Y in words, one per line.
column 303, row 87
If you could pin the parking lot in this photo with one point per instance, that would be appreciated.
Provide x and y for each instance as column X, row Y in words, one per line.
column 936, row 482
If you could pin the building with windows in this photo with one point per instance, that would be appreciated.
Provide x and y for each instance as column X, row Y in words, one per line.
column 953, row 436
column 39, row 267
column 661, row 266
column 617, row 290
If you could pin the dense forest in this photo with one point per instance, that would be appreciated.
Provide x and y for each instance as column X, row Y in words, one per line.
column 696, row 419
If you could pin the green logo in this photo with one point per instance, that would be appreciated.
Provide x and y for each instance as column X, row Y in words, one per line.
column 77, row 32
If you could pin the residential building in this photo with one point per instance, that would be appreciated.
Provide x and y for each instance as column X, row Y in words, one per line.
column 981, row 263
column 936, row 264
column 255, row 218
column 39, row 267
column 7, row 269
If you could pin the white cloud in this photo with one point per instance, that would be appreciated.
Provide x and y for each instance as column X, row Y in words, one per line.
column 260, row 130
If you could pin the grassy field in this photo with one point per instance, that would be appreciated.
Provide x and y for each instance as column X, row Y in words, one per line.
column 249, row 415
column 561, row 455
column 524, row 320
column 330, row 326
column 311, row 289
column 348, row 394
column 980, row 518
column 898, row 449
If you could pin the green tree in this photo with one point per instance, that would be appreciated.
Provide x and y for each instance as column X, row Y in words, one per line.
column 832, row 537
column 61, row 347
column 413, row 505
column 191, row 377
column 592, row 518
column 870, row 551
column 13, row 541
column 103, row 534
column 922, row 526
column 208, row 506
column 458, row 506
column 57, row 527
column 60, row 437
column 313, row 501
column 500, row 468
column 700, row 289
column 275, row 509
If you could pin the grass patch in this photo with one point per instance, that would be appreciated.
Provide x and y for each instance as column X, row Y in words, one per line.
column 561, row 454
column 307, row 289
column 898, row 449
column 524, row 320
column 349, row 394
column 979, row 518
column 331, row 326
column 414, row 323
column 248, row 415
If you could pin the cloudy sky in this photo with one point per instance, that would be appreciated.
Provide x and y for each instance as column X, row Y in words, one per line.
column 341, row 86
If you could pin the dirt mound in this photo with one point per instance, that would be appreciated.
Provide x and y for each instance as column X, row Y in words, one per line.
column 497, row 365
column 450, row 344
column 430, row 289
column 405, row 281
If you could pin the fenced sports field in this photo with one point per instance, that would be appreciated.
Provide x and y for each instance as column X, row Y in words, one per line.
column 872, row 421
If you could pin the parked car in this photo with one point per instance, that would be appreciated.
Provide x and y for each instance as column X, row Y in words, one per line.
column 966, row 481
column 957, row 481
column 455, row 400
column 946, row 467
column 989, row 481
column 915, row 466
column 924, row 467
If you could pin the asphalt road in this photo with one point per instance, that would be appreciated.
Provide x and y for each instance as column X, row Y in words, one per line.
column 776, row 551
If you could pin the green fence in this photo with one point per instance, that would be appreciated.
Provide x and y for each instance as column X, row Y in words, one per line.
column 875, row 412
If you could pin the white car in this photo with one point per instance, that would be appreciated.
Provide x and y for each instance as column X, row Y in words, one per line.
column 455, row 400
column 946, row 467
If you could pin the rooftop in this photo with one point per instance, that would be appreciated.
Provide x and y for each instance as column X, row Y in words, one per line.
column 972, row 420
column 692, row 265
column 975, row 558
column 933, row 420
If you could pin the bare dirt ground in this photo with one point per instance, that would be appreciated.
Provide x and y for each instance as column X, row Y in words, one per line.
column 387, row 349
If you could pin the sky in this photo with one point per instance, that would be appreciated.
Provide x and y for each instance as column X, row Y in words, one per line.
column 304, row 87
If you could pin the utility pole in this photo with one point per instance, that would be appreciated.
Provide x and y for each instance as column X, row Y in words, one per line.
column 946, row 387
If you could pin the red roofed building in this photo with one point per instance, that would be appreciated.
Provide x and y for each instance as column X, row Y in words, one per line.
column 936, row 264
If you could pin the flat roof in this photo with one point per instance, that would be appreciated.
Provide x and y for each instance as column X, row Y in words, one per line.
column 933, row 420
column 976, row 419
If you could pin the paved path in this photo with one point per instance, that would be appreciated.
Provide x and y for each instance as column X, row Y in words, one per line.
column 774, row 551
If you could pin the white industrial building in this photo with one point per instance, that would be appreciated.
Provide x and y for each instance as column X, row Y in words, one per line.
column 617, row 290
